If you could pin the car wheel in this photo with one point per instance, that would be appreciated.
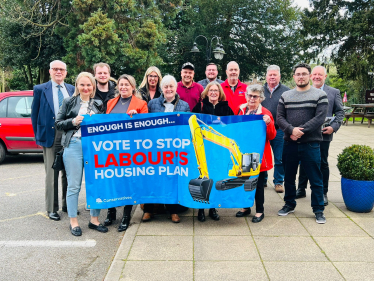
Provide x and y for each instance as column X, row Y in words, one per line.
column 2, row 152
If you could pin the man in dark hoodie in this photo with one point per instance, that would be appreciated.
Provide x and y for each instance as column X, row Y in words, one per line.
column 105, row 89
column 273, row 90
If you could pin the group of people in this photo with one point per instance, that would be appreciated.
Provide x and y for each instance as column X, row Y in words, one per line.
column 293, row 121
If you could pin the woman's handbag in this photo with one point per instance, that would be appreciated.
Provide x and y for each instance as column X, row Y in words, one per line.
column 58, row 164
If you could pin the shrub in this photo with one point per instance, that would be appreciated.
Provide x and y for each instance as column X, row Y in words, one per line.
column 356, row 162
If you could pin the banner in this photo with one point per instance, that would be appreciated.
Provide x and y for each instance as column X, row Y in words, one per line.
column 196, row 160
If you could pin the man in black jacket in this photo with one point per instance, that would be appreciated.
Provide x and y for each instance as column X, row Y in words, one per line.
column 105, row 89
column 273, row 90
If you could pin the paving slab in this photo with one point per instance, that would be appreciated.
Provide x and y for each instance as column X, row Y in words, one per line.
column 306, row 271
column 164, row 226
column 333, row 227
column 225, row 226
column 288, row 249
column 274, row 226
column 367, row 224
column 347, row 248
column 353, row 215
column 223, row 248
column 356, row 271
column 162, row 248
column 229, row 270
column 158, row 270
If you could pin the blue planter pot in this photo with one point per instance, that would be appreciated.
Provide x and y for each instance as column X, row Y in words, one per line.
column 358, row 195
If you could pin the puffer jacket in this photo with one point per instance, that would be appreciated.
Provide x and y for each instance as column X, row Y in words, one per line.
column 68, row 111
column 267, row 158
column 158, row 105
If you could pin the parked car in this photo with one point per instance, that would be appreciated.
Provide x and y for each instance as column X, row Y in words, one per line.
column 16, row 133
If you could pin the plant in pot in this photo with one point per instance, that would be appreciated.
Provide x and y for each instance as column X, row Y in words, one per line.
column 356, row 166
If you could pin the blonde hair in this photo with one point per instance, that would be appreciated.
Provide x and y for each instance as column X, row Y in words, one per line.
column 149, row 71
column 92, row 79
column 222, row 96
column 100, row 64
column 132, row 83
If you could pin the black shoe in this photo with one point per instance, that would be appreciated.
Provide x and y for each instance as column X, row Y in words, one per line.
column 320, row 218
column 54, row 216
column 325, row 200
column 111, row 217
column 213, row 214
column 245, row 213
column 125, row 223
column 99, row 227
column 258, row 219
column 76, row 231
column 65, row 209
column 300, row 193
column 285, row 210
column 201, row 215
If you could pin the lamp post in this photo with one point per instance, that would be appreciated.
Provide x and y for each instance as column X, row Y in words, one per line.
column 371, row 75
column 217, row 51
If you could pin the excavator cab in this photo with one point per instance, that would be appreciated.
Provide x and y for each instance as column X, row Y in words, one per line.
column 250, row 161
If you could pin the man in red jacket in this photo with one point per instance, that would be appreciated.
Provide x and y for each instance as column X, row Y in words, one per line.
column 233, row 88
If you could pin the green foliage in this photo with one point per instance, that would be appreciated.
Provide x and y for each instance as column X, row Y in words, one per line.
column 253, row 33
column 356, row 162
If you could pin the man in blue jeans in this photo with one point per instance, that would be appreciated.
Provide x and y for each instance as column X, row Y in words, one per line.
column 301, row 113
column 273, row 90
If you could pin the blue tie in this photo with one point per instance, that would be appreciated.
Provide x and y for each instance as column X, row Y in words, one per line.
column 60, row 96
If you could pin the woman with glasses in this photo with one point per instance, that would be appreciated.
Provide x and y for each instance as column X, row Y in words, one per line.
column 254, row 96
column 69, row 119
column 150, row 86
column 213, row 103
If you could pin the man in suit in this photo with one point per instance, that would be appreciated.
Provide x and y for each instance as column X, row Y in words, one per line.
column 335, row 108
column 48, row 98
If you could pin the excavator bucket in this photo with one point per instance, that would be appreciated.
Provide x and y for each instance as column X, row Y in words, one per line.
column 200, row 189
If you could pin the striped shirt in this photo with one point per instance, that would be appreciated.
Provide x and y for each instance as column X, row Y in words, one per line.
column 305, row 109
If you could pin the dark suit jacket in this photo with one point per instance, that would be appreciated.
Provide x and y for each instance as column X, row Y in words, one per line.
column 335, row 109
column 43, row 113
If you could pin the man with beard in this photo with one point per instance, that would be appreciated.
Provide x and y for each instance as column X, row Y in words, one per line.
column 105, row 89
column 188, row 90
column 211, row 73
column 301, row 113
column 319, row 76
column 233, row 88
column 273, row 90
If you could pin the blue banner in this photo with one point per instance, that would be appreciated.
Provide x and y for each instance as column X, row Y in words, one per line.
column 196, row 160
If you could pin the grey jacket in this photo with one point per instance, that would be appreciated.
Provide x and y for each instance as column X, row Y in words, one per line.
column 206, row 81
column 68, row 111
column 335, row 109
column 158, row 105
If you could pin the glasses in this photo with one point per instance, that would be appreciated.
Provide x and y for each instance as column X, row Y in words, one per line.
column 255, row 97
column 153, row 76
column 213, row 91
column 301, row 74
column 58, row 69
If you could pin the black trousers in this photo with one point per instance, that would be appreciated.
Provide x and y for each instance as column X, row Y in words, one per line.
column 303, row 178
column 259, row 196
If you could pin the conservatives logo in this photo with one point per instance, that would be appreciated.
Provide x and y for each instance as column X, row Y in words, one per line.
column 98, row 200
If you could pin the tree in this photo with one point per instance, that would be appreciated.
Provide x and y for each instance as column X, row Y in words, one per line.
column 253, row 33
column 347, row 25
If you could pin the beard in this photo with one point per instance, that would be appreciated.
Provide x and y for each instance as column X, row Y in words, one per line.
column 300, row 85
column 101, row 83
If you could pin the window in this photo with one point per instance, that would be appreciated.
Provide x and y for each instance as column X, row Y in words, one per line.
column 3, row 107
column 19, row 107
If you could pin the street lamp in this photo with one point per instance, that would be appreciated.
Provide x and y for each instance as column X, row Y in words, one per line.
column 217, row 51
column 371, row 75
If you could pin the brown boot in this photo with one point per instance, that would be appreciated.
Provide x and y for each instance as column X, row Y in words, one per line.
column 279, row 188
column 175, row 218
column 147, row 217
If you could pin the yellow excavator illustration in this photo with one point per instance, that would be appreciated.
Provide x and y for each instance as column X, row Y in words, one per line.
column 244, row 165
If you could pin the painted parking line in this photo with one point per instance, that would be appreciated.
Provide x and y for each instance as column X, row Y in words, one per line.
column 23, row 217
column 49, row 243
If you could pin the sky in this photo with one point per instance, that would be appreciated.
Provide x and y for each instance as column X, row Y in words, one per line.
column 302, row 3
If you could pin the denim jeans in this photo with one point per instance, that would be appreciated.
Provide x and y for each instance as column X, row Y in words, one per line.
column 73, row 161
column 308, row 154
column 277, row 147
column 303, row 178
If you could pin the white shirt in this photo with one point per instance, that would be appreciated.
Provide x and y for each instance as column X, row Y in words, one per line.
column 55, row 95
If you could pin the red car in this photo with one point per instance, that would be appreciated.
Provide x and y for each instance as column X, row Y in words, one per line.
column 16, row 133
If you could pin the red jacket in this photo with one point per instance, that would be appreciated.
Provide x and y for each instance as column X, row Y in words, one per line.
column 267, row 159
column 139, row 105
column 237, row 98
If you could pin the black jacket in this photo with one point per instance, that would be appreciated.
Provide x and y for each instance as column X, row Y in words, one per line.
column 110, row 95
column 221, row 109
column 68, row 111
column 145, row 93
